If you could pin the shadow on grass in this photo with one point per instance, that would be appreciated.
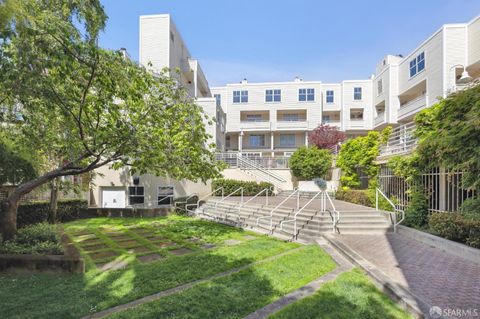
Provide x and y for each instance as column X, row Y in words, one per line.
column 74, row 296
column 351, row 295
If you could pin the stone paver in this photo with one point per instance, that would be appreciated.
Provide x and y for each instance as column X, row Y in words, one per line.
column 434, row 276
column 232, row 242
column 181, row 251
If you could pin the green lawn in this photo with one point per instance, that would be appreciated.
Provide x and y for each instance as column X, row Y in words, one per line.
column 156, row 254
column 73, row 296
column 350, row 295
column 239, row 294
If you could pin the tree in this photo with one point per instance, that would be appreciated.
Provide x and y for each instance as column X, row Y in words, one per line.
column 310, row 162
column 358, row 155
column 87, row 107
column 326, row 136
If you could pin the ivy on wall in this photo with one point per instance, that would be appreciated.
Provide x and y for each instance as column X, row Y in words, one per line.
column 359, row 155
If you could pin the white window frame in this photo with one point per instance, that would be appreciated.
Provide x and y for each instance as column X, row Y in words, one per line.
column 306, row 95
column 288, row 144
column 135, row 195
column 273, row 96
column 357, row 93
column 240, row 96
column 417, row 64
column 261, row 140
column 162, row 197
column 330, row 94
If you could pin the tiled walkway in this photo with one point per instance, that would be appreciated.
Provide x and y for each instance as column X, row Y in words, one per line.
column 436, row 277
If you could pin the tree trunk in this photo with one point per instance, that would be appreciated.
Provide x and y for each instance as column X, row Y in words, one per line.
column 8, row 218
column 53, row 201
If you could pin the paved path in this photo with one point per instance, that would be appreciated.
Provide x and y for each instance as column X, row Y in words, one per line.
column 434, row 276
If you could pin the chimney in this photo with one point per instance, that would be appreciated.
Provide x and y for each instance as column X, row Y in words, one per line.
column 244, row 81
column 297, row 79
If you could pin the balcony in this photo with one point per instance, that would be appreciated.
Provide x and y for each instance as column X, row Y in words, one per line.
column 292, row 125
column 380, row 119
column 412, row 107
column 401, row 141
column 255, row 125
column 355, row 124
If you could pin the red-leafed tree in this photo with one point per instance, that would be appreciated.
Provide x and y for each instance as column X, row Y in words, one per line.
column 326, row 136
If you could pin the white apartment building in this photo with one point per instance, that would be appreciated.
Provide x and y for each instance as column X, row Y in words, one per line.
column 161, row 46
column 275, row 118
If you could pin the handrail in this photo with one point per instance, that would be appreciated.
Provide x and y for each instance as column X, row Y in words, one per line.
column 294, row 220
column 295, row 192
column 260, row 168
column 224, row 198
column 335, row 211
column 258, row 194
column 204, row 197
column 185, row 202
column 396, row 211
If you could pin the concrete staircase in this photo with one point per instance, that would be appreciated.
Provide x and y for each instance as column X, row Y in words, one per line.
column 311, row 224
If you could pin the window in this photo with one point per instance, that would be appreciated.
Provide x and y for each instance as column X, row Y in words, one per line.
column 257, row 140
column 357, row 93
column 273, row 95
column 306, row 95
column 165, row 195
column 380, row 86
column 218, row 99
column 227, row 142
column 291, row 117
column 136, row 195
column 287, row 139
column 254, row 118
column 417, row 64
column 240, row 96
column 326, row 119
column 330, row 96
column 356, row 114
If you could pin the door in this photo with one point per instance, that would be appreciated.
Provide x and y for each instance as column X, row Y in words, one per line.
column 113, row 198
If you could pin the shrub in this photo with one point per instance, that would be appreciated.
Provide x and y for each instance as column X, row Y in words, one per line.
column 40, row 238
column 360, row 197
column 471, row 207
column 449, row 225
column 416, row 214
column 473, row 237
column 310, row 162
column 249, row 188
column 326, row 136
column 38, row 212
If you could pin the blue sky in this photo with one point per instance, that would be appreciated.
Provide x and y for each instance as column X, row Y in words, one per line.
column 276, row 40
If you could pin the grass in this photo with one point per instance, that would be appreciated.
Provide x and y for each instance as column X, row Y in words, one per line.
column 73, row 296
column 239, row 294
column 350, row 295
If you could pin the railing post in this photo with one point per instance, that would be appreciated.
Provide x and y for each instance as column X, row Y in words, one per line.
column 242, row 195
column 266, row 200
column 298, row 199
column 376, row 199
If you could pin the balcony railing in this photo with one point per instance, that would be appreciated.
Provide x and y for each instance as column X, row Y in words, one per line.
column 412, row 107
column 355, row 124
column 255, row 125
column 276, row 162
column 380, row 119
column 300, row 124
column 401, row 141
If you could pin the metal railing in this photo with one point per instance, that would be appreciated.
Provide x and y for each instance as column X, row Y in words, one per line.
column 324, row 196
column 268, row 162
column 234, row 192
column 402, row 140
column 295, row 192
column 258, row 194
column 205, row 197
column 247, row 163
column 184, row 202
column 396, row 211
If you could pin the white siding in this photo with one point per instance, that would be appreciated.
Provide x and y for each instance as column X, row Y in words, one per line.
column 474, row 41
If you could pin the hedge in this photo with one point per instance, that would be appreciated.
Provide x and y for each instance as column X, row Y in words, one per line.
column 38, row 211
column 230, row 185
column 457, row 227
column 40, row 238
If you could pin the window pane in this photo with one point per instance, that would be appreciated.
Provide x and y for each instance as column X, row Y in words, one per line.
column 140, row 190
column 287, row 139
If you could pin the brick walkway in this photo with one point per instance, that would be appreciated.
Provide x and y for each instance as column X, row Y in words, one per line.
column 434, row 276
